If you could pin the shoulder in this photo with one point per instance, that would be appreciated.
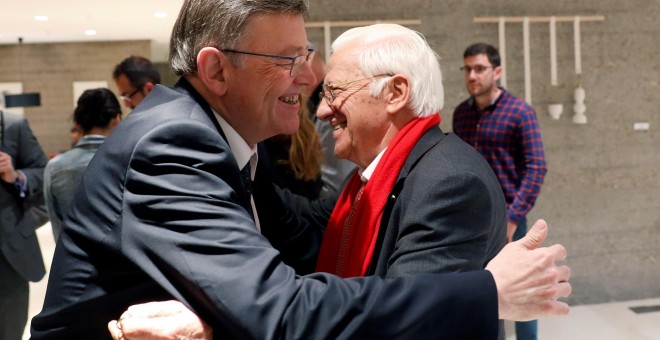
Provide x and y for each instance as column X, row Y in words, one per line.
column 69, row 160
column 13, row 120
column 509, row 100
column 452, row 154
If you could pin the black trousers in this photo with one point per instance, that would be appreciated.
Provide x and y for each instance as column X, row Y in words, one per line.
column 14, row 299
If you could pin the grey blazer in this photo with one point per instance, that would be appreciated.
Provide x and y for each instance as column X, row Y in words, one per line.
column 446, row 213
column 19, row 217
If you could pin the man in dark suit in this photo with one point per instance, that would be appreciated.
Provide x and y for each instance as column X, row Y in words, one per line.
column 22, row 163
column 436, row 204
column 429, row 202
column 164, row 210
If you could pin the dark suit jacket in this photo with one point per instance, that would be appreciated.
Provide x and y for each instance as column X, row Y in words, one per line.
column 19, row 217
column 161, row 213
column 446, row 213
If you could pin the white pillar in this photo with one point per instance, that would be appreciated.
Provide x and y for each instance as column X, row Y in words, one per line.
column 527, row 61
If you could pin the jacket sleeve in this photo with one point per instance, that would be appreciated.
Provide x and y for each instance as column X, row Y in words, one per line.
column 30, row 158
column 183, row 225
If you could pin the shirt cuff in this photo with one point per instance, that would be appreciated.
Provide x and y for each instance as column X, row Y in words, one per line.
column 21, row 185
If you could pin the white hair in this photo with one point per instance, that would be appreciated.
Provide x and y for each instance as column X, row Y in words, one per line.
column 394, row 49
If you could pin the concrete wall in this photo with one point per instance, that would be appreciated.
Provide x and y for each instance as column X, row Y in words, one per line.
column 51, row 69
column 601, row 196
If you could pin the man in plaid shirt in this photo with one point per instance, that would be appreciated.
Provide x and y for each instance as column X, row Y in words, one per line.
column 505, row 130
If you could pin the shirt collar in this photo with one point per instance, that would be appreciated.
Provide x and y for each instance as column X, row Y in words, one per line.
column 365, row 174
column 91, row 139
column 239, row 147
column 493, row 104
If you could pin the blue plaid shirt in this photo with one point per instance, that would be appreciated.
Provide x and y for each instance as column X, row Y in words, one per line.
column 507, row 134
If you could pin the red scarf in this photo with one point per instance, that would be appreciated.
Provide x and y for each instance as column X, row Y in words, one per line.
column 347, row 247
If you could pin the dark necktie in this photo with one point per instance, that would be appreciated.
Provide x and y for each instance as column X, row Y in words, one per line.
column 247, row 180
column 247, row 183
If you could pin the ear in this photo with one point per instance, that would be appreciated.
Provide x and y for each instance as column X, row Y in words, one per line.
column 211, row 67
column 148, row 87
column 397, row 93
column 497, row 73
column 115, row 121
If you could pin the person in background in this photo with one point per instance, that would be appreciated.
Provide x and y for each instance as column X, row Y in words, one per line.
column 295, row 160
column 334, row 171
column 96, row 114
column 505, row 130
column 22, row 211
column 135, row 77
column 170, row 212
column 75, row 134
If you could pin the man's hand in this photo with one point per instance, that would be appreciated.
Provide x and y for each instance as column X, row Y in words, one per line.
column 159, row 320
column 528, row 280
column 7, row 171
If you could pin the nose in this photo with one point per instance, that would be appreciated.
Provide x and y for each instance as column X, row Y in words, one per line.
column 306, row 76
column 324, row 112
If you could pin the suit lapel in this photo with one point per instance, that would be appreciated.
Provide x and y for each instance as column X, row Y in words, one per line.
column 432, row 137
column 207, row 114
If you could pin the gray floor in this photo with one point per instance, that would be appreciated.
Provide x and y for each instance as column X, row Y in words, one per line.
column 611, row 321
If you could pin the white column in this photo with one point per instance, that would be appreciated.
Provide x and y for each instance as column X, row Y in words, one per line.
column 576, row 40
column 327, row 40
column 553, row 51
column 527, row 61
column 502, row 36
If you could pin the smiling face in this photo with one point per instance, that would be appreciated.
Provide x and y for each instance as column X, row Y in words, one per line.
column 262, row 97
column 360, row 121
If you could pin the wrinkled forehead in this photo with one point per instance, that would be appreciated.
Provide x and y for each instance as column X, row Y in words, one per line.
column 343, row 63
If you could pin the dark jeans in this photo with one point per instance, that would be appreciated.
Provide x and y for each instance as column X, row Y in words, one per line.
column 14, row 296
column 525, row 330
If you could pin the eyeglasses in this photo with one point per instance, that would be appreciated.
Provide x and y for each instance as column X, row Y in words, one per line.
column 129, row 97
column 330, row 92
column 297, row 62
column 479, row 69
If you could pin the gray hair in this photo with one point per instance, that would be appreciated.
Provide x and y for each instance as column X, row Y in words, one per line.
column 218, row 23
column 394, row 49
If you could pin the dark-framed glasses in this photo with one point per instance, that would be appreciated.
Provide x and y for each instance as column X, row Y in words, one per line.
column 330, row 91
column 478, row 69
column 129, row 97
column 297, row 62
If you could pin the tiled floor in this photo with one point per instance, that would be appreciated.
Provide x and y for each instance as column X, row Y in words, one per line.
column 611, row 321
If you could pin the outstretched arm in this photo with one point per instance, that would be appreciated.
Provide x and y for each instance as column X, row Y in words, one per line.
column 528, row 281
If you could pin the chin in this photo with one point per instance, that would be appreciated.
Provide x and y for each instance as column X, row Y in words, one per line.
column 288, row 128
column 341, row 153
